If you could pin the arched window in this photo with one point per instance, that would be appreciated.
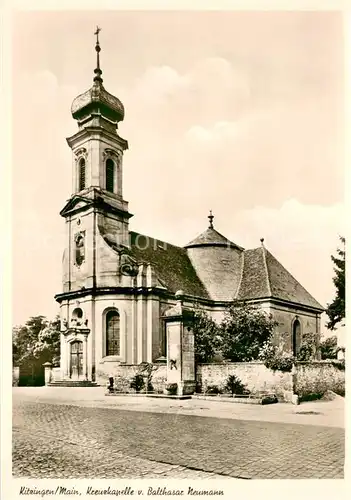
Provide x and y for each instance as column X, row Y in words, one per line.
column 110, row 175
column 81, row 174
column 296, row 336
column 112, row 334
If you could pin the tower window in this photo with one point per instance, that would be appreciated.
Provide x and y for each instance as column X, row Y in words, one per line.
column 81, row 174
column 112, row 334
column 110, row 175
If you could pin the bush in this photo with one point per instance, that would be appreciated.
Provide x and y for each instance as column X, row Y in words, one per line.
column 213, row 389
column 137, row 383
column 340, row 364
column 244, row 330
column 198, row 387
column 275, row 359
column 310, row 397
column 307, row 350
column 234, row 385
column 172, row 389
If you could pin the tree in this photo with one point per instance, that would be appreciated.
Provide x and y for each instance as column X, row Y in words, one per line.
column 329, row 348
column 336, row 309
column 244, row 330
column 307, row 349
column 36, row 342
column 206, row 336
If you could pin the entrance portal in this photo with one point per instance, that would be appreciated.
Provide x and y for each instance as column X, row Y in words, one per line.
column 76, row 371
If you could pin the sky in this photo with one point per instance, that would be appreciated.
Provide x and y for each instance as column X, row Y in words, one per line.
column 238, row 112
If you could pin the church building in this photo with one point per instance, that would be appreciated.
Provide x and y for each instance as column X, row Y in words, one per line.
column 118, row 284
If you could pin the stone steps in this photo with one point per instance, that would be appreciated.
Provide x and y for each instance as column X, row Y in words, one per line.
column 72, row 383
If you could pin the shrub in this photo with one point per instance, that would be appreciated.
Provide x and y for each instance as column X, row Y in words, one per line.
column 198, row 387
column 172, row 389
column 147, row 370
column 213, row 389
column 274, row 358
column 137, row 383
column 307, row 350
column 244, row 330
column 310, row 397
column 340, row 364
column 234, row 385
column 206, row 336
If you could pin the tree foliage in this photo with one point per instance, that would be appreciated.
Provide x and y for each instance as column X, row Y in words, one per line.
column 206, row 336
column 36, row 342
column 275, row 358
column 336, row 309
column 244, row 331
column 307, row 349
column 329, row 348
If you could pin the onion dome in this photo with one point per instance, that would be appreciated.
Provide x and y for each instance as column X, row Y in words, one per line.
column 97, row 100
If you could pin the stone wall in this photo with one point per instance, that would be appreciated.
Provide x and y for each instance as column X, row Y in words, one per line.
column 123, row 375
column 254, row 375
column 318, row 377
column 310, row 378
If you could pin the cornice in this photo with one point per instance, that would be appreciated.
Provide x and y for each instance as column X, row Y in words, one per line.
column 99, row 132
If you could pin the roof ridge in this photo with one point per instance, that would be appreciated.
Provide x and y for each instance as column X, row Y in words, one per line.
column 156, row 239
column 267, row 271
column 297, row 281
column 241, row 274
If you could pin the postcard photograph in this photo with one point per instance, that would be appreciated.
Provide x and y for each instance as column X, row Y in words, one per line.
column 178, row 253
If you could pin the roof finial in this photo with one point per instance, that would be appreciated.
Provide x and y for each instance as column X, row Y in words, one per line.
column 97, row 70
column 210, row 218
column 262, row 241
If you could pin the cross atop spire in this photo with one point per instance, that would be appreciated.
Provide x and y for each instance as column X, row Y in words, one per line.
column 210, row 218
column 97, row 70
column 97, row 33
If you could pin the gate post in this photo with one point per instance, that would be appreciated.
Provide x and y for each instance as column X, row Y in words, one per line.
column 180, row 347
column 47, row 372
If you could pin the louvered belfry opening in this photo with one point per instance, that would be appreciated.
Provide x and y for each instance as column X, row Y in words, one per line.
column 110, row 175
column 81, row 174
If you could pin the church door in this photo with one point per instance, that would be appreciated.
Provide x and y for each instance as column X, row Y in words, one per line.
column 76, row 360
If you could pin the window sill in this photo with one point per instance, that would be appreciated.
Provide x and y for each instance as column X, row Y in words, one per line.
column 107, row 359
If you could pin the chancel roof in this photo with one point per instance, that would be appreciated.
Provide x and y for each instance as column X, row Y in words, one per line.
column 263, row 276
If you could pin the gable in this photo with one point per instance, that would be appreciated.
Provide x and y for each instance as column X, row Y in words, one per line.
column 75, row 203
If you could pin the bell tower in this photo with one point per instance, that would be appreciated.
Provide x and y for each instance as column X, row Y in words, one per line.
column 96, row 206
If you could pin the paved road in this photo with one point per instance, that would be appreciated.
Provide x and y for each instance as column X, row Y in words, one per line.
column 64, row 441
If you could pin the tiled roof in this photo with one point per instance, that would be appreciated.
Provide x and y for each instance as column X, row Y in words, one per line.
column 211, row 237
column 264, row 276
column 170, row 263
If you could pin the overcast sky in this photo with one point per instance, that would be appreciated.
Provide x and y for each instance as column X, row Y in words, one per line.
column 241, row 113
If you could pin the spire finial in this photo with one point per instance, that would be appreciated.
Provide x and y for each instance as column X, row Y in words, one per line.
column 97, row 70
column 210, row 218
column 262, row 241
